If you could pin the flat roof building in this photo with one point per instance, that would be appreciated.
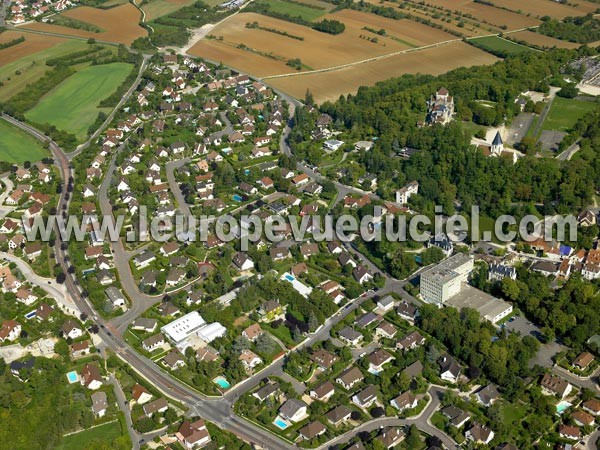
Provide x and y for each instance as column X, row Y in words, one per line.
column 489, row 308
column 443, row 281
column 180, row 329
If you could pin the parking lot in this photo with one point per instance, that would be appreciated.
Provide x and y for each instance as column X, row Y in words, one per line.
column 520, row 324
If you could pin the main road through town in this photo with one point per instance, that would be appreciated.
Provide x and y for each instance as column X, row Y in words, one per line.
column 215, row 409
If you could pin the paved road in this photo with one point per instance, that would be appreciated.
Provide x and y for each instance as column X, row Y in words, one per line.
column 123, row 406
column 4, row 5
column 421, row 421
column 170, row 168
column 217, row 410
column 57, row 291
column 568, row 153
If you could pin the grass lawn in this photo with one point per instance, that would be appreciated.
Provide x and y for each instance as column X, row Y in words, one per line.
column 17, row 146
column 104, row 433
column 295, row 9
column 158, row 8
column 498, row 44
column 565, row 112
column 73, row 105
column 31, row 67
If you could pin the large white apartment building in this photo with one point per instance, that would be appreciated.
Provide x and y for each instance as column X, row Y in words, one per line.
column 443, row 281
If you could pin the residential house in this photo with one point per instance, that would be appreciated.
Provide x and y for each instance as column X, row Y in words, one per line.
column 378, row 359
column 153, row 342
column 252, row 332
column 350, row 377
column 159, row 405
column 555, row 385
column 323, row 391
column 361, row 274
column 390, row 437
column 249, row 359
column 411, row 341
column 140, row 394
column 71, row 329
column 449, row 368
column 385, row 330
column 193, row 434
column 479, row 434
column 338, row 415
column 323, row 358
column 10, row 330
column 90, row 376
column 569, row 432
column 386, row 303
column 457, row 417
column 583, row 361
column 487, row 395
column 267, row 391
column 406, row 400
column 350, row 336
column 293, row 410
column 144, row 324
column 366, row 397
column 173, row 360
column 79, row 349
column 312, row 430
column 270, row 311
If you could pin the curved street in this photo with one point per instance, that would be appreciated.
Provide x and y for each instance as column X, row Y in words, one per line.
column 215, row 409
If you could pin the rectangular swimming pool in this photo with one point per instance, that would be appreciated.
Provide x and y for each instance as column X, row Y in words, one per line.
column 72, row 377
column 222, row 382
column 289, row 277
column 280, row 423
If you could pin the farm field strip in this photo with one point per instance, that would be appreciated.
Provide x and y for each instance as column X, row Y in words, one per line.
column 16, row 146
column 539, row 8
column 487, row 14
column 32, row 44
column 317, row 50
column 121, row 24
column 541, row 40
column 158, row 8
column 72, row 106
column 32, row 66
column 299, row 10
column 500, row 44
column 433, row 60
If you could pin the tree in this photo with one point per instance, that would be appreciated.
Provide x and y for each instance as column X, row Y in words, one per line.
column 377, row 411
column 413, row 439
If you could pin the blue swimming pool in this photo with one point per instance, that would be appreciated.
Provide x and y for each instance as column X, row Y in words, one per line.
column 237, row 198
column 30, row 315
column 280, row 423
column 246, row 171
column 222, row 382
column 289, row 277
column 72, row 377
column 562, row 406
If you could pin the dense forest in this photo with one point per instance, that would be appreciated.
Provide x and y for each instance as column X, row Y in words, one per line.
column 581, row 30
column 450, row 171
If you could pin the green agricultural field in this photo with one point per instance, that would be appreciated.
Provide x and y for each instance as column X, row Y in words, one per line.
column 158, row 8
column 16, row 146
column 104, row 433
column 499, row 46
column 73, row 105
column 295, row 9
column 18, row 74
column 565, row 112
